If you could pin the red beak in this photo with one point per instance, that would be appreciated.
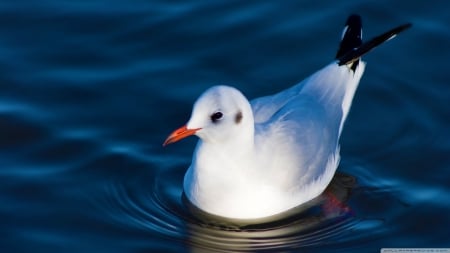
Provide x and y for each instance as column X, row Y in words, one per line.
column 179, row 134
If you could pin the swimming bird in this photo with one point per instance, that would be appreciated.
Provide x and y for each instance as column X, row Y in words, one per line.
column 261, row 158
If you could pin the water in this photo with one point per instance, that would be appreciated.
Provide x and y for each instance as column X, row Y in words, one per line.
column 90, row 89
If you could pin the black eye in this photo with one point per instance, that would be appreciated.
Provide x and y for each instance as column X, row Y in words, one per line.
column 216, row 116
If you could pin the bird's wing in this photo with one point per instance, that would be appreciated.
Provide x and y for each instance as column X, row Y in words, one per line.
column 333, row 87
column 306, row 121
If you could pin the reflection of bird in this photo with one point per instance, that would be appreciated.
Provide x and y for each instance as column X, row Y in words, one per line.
column 260, row 158
column 326, row 217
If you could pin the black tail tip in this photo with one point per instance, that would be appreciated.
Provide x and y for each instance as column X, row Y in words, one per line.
column 353, row 55
column 354, row 20
column 351, row 37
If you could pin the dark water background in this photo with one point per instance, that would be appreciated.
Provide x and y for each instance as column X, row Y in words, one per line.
column 90, row 89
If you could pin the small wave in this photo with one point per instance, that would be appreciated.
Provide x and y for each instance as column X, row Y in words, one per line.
column 153, row 204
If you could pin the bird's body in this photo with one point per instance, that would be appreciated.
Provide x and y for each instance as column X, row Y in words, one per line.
column 288, row 161
column 260, row 158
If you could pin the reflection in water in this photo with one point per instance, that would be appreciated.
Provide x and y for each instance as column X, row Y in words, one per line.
column 162, row 213
column 306, row 225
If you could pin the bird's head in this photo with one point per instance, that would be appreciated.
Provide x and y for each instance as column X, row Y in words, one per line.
column 221, row 114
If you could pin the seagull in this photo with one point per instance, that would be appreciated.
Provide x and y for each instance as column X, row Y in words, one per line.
column 261, row 158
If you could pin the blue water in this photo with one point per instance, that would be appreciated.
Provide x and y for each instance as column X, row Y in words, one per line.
column 89, row 90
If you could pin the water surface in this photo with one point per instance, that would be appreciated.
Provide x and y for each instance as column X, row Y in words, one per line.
column 90, row 89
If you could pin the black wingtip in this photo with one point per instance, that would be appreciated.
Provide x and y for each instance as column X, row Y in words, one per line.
column 351, row 35
column 354, row 55
column 351, row 38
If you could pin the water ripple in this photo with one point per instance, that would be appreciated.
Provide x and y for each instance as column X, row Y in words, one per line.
column 152, row 204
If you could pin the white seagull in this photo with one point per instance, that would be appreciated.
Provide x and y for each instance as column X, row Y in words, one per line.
column 261, row 158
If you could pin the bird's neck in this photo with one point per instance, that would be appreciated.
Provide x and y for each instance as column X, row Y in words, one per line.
column 224, row 161
column 217, row 171
column 233, row 150
column 220, row 167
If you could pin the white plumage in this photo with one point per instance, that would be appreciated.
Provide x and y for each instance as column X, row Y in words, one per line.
column 260, row 158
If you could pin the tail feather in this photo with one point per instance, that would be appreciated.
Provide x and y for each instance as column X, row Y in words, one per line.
column 350, row 55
